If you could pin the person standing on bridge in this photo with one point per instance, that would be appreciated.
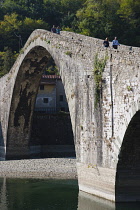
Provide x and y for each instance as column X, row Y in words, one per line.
column 58, row 30
column 115, row 43
column 53, row 29
column 106, row 42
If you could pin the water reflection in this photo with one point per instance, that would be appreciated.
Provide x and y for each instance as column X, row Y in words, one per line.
column 3, row 197
column 39, row 194
column 90, row 202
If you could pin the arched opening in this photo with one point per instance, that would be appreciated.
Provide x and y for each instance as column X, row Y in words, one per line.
column 128, row 168
column 51, row 133
column 19, row 136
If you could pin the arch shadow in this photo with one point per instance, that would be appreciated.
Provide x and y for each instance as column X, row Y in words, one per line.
column 127, row 188
column 51, row 133
column 23, row 102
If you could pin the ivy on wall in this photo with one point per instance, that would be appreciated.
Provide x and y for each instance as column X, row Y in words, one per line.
column 99, row 65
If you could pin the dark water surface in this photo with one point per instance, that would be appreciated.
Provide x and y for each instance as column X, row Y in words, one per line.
column 43, row 194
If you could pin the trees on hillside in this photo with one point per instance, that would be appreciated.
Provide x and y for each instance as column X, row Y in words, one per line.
column 14, row 32
column 129, row 11
column 98, row 18
column 111, row 18
column 7, row 59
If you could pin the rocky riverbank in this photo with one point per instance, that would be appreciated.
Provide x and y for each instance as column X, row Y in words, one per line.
column 64, row 168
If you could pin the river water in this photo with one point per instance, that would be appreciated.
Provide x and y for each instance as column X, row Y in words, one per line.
column 44, row 194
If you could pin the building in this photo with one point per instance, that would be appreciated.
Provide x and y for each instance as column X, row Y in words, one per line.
column 51, row 134
column 51, row 96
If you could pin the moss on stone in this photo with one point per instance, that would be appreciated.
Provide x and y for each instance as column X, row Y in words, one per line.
column 99, row 65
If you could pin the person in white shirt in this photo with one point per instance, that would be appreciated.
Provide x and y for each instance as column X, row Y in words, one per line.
column 115, row 43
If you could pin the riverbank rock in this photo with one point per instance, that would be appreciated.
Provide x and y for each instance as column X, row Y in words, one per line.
column 60, row 168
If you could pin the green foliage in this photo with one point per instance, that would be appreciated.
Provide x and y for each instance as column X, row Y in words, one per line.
column 7, row 59
column 69, row 53
column 99, row 65
column 95, row 18
column 129, row 88
column 67, row 29
column 14, row 32
column 129, row 12
column 111, row 18
column 1, row 63
column 48, row 41
column 51, row 68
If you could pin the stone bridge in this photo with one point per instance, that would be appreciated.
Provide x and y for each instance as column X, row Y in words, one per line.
column 102, row 88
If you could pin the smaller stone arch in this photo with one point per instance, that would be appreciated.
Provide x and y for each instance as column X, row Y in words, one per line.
column 127, row 186
column 128, row 115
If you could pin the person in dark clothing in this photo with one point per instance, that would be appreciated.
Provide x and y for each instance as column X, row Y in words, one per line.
column 53, row 29
column 106, row 42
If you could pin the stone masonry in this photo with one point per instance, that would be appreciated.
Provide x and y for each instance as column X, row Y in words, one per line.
column 99, row 131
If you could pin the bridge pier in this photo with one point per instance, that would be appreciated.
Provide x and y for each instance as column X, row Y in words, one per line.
column 96, row 180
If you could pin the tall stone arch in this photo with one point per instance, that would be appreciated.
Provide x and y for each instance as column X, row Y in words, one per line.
column 26, row 74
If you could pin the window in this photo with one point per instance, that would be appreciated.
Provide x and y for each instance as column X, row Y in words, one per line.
column 61, row 98
column 45, row 100
column 41, row 87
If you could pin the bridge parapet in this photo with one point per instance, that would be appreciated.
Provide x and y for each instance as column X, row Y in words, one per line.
column 86, row 40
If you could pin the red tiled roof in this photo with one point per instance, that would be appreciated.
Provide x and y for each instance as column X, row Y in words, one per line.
column 51, row 76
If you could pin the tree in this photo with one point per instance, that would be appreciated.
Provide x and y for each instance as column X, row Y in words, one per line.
column 9, row 28
column 28, row 26
column 69, row 9
column 14, row 32
column 111, row 18
column 95, row 18
column 130, row 13
column 1, row 64
column 8, row 60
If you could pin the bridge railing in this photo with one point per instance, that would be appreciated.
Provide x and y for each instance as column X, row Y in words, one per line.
column 47, row 110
